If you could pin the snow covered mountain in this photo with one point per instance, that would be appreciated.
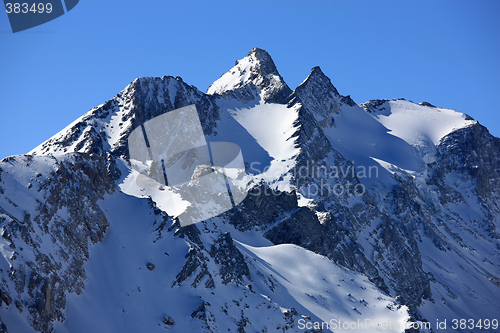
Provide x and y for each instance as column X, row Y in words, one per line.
column 384, row 212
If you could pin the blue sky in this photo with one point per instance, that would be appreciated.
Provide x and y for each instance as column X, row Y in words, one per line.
column 443, row 52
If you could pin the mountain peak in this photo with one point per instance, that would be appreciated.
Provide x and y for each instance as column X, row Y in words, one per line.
column 263, row 61
column 318, row 92
column 317, row 78
column 253, row 76
column 317, row 70
column 319, row 96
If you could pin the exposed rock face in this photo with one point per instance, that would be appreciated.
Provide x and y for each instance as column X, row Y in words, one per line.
column 3, row 328
column 421, row 239
column 261, row 208
column 319, row 94
column 328, row 238
column 318, row 101
column 196, row 266
column 474, row 154
column 400, row 261
column 106, row 127
column 67, row 215
column 232, row 263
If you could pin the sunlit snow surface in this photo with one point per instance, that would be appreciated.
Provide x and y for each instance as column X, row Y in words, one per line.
column 323, row 288
column 240, row 75
column 400, row 135
column 419, row 124
column 265, row 134
column 122, row 295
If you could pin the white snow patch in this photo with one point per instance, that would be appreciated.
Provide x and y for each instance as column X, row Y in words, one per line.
column 417, row 124
column 325, row 289
column 233, row 78
column 272, row 125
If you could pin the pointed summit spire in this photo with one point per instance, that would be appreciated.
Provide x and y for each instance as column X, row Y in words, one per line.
column 319, row 95
column 252, row 77
column 264, row 63
column 317, row 80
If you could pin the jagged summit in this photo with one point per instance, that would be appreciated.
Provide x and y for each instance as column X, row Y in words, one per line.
column 317, row 78
column 317, row 90
column 252, row 77
column 264, row 61
column 106, row 127
column 427, row 104
column 320, row 97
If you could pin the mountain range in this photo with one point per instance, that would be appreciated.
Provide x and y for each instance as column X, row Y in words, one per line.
column 383, row 212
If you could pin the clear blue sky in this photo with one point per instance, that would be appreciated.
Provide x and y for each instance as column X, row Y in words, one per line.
column 443, row 52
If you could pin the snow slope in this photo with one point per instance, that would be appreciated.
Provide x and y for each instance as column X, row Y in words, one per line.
column 121, row 293
column 420, row 124
column 324, row 289
column 397, row 135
